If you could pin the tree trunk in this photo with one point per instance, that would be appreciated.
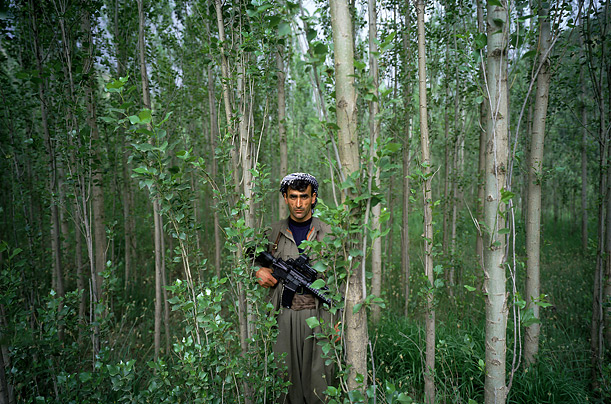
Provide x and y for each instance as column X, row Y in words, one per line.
column 128, row 217
column 346, row 110
column 429, row 371
column 584, row 170
column 97, row 198
column 497, row 145
column 157, row 221
column 214, row 133
column 606, row 66
column 374, row 170
column 55, row 234
column 481, row 167
column 407, row 94
column 128, row 194
column 282, row 209
column 535, row 177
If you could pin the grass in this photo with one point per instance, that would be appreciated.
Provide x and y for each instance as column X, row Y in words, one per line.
column 561, row 374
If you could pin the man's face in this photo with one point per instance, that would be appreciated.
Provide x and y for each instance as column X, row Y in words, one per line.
column 300, row 203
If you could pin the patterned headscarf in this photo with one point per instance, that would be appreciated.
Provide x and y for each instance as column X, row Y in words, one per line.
column 293, row 178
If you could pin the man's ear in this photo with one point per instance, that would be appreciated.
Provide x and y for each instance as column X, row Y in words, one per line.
column 314, row 196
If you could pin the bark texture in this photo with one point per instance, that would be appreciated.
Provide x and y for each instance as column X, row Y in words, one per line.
column 535, row 176
column 427, row 194
column 497, row 148
column 407, row 90
column 374, row 170
column 355, row 324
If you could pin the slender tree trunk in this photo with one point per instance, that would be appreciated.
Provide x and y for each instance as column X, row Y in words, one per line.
column 497, row 145
column 166, row 303
column 97, row 199
column 454, row 199
column 606, row 66
column 584, row 168
column 214, row 133
column 355, row 324
column 157, row 221
column 4, row 385
column 283, row 213
column 7, row 395
column 429, row 372
column 55, row 233
column 598, row 311
column 535, row 176
column 407, row 90
column 584, row 150
column 446, row 156
column 128, row 217
column 128, row 194
column 481, row 167
column 80, row 276
column 374, row 170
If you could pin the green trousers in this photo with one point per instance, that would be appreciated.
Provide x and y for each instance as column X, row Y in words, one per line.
column 304, row 364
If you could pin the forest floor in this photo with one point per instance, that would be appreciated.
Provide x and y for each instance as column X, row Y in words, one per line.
column 562, row 374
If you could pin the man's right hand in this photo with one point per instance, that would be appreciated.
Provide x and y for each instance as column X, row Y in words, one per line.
column 265, row 277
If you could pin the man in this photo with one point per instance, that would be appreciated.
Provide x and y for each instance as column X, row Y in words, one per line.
column 305, row 367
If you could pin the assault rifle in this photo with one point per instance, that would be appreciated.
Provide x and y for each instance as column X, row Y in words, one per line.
column 294, row 273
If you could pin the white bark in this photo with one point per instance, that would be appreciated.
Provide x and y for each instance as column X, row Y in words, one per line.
column 429, row 371
column 495, row 389
column 535, row 176
column 355, row 324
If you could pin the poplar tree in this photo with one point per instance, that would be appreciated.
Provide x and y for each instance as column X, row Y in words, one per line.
column 427, row 196
column 535, row 179
column 497, row 151
column 345, row 95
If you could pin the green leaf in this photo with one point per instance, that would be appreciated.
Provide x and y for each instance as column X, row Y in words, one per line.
column 404, row 398
column 143, row 147
column 480, row 41
column 141, row 170
column 320, row 267
column 356, row 308
column 392, row 147
column 84, row 377
column 504, row 231
column 108, row 119
column 529, row 54
column 469, row 288
column 506, row 195
column 312, row 322
column 320, row 49
column 115, row 84
column 145, row 116
column 113, row 370
column 133, row 119
column 284, row 29
column 274, row 20
column 145, row 131
column 528, row 318
column 167, row 116
column 318, row 283
column 494, row 3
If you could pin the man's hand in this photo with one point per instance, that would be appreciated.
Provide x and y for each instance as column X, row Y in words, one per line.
column 265, row 277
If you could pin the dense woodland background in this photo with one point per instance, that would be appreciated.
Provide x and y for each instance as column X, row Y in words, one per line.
column 142, row 147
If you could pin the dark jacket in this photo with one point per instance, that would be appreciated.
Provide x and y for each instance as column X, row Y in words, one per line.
column 282, row 245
